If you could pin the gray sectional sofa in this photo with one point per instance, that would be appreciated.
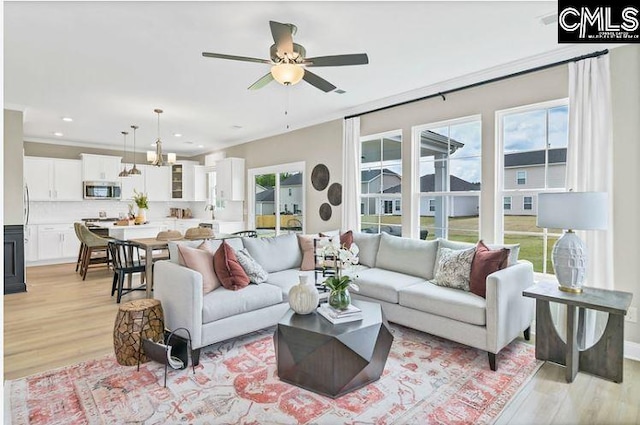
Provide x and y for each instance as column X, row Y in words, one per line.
column 393, row 271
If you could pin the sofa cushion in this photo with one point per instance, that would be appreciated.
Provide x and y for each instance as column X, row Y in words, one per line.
column 276, row 253
column 447, row 302
column 223, row 302
column 408, row 256
column 383, row 284
column 484, row 263
column 368, row 244
column 514, row 249
column 200, row 260
column 285, row 279
column 211, row 244
column 251, row 267
column 306, row 243
column 453, row 268
column 228, row 269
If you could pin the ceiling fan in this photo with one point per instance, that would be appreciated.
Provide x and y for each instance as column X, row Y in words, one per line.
column 289, row 61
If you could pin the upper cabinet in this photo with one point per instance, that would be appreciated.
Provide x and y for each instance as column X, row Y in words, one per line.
column 230, row 179
column 157, row 182
column 52, row 179
column 100, row 167
column 131, row 183
column 200, row 182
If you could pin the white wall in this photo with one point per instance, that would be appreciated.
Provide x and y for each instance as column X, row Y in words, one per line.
column 12, row 159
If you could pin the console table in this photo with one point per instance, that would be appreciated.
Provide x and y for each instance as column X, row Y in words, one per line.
column 605, row 357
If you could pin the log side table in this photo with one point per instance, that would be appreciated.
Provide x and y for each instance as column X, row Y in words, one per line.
column 329, row 359
column 605, row 357
column 136, row 320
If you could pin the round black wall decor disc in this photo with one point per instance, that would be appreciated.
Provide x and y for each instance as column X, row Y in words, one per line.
column 334, row 194
column 325, row 211
column 320, row 177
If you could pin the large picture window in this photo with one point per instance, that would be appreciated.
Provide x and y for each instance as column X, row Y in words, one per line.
column 381, row 183
column 449, row 163
column 533, row 141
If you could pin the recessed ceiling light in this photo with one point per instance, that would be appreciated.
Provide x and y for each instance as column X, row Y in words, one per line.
column 153, row 145
column 67, row 119
column 339, row 91
column 189, row 142
column 549, row 18
column 201, row 146
column 177, row 134
column 58, row 134
column 236, row 127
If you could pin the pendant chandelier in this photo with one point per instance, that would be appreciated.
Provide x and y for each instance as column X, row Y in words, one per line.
column 124, row 172
column 155, row 158
column 134, row 170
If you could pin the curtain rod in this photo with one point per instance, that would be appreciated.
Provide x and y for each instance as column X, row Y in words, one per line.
column 480, row 83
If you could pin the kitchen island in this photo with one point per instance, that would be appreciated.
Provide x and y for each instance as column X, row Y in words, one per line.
column 138, row 231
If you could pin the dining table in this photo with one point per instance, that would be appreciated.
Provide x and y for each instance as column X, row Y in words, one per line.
column 153, row 244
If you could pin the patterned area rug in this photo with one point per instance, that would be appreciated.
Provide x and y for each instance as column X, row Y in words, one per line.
column 427, row 380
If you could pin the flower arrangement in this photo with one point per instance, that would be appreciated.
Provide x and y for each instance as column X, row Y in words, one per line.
column 141, row 200
column 343, row 259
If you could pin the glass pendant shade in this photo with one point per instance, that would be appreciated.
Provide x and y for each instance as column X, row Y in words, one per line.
column 124, row 172
column 287, row 73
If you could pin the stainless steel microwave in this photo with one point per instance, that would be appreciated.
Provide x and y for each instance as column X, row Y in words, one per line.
column 101, row 190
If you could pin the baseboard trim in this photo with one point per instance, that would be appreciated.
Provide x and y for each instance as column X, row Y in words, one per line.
column 632, row 350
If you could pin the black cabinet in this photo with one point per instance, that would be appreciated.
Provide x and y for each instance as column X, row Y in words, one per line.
column 14, row 277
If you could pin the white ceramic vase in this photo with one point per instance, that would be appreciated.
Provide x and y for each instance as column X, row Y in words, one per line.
column 304, row 297
column 141, row 218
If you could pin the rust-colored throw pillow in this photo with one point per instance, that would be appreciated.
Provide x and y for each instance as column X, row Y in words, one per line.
column 229, row 271
column 199, row 260
column 346, row 239
column 484, row 263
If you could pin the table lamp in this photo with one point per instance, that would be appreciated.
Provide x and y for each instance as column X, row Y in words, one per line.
column 571, row 211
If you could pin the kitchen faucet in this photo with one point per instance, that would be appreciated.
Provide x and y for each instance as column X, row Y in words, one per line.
column 212, row 208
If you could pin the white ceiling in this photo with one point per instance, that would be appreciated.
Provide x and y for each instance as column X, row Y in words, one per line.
column 109, row 64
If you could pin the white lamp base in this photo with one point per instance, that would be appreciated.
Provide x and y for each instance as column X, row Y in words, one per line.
column 569, row 258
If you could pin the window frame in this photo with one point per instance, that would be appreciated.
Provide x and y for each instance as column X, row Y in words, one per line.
column 524, row 177
column 525, row 203
column 504, row 202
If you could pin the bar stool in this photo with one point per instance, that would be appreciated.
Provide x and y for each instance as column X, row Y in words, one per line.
column 76, row 227
column 93, row 244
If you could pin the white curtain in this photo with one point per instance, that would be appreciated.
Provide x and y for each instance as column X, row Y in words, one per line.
column 589, row 155
column 589, row 168
column 351, row 174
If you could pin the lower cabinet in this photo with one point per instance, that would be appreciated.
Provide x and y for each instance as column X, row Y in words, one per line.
column 57, row 241
column 31, row 243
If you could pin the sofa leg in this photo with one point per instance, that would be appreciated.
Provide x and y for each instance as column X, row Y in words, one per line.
column 492, row 361
column 195, row 357
column 527, row 333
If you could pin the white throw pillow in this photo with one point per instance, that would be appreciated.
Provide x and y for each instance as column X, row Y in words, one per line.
column 251, row 267
column 453, row 268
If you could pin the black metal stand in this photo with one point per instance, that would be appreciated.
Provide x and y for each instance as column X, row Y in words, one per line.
column 159, row 352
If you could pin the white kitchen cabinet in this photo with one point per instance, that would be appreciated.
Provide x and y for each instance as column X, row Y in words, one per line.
column 52, row 179
column 183, row 224
column 200, row 182
column 230, row 179
column 129, row 183
column 57, row 241
column 157, row 182
column 31, row 243
column 100, row 167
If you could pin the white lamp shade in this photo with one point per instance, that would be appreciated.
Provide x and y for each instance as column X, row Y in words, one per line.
column 171, row 158
column 287, row 73
column 573, row 210
column 151, row 156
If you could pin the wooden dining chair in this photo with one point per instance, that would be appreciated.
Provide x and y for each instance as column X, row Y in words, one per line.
column 127, row 261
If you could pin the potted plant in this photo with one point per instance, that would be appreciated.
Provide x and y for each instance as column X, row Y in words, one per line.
column 142, row 201
column 342, row 259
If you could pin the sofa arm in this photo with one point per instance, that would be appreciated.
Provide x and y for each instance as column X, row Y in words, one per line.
column 508, row 312
column 179, row 289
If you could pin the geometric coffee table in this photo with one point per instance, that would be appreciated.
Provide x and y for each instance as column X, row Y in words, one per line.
column 329, row 359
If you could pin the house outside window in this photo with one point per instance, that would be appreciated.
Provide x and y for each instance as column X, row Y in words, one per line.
column 397, row 206
column 381, row 182
column 450, row 171
column 532, row 143
column 507, row 203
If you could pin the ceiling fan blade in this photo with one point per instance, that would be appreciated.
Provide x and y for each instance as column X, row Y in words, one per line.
column 282, row 36
column 318, row 82
column 234, row 58
column 338, row 60
column 266, row 79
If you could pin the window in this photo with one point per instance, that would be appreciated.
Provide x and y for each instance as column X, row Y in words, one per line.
column 381, row 177
column 397, row 206
column 521, row 177
column 450, row 165
column 533, row 152
column 289, row 191
column 506, row 203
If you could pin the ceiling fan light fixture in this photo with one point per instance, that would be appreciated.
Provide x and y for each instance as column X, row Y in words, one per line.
column 287, row 73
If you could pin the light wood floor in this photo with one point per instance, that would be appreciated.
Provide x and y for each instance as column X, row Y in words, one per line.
column 62, row 320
